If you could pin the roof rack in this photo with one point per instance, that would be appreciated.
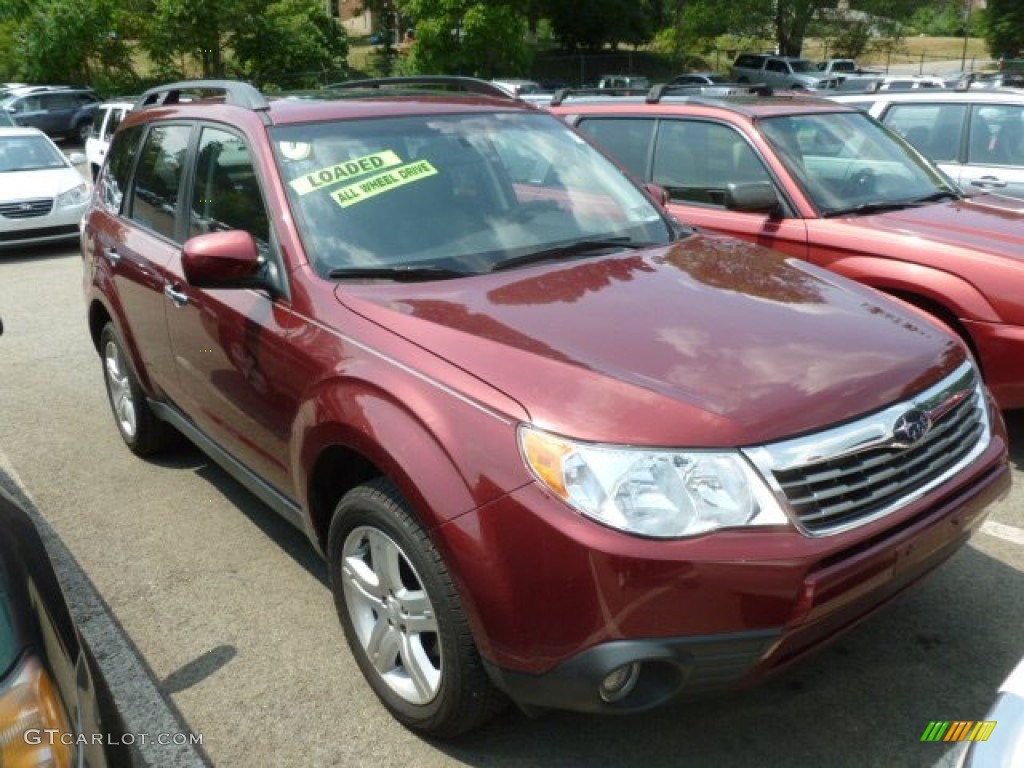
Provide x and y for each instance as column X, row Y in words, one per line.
column 964, row 83
column 470, row 84
column 563, row 93
column 235, row 92
column 659, row 91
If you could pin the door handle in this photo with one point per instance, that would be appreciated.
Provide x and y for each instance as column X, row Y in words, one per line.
column 988, row 182
column 112, row 255
column 177, row 298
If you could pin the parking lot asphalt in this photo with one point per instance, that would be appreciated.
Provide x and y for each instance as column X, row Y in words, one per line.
column 212, row 618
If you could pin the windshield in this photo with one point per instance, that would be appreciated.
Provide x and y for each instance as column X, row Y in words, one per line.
column 846, row 161
column 454, row 193
column 29, row 153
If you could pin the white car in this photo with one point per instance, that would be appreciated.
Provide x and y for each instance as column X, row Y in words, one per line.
column 108, row 117
column 1002, row 742
column 42, row 194
column 976, row 136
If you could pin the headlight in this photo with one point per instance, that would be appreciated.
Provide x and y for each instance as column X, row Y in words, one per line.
column 660, row 493
column 76, row 196
column 34, row 728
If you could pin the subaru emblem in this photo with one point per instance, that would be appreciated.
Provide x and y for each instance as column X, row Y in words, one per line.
column 910, row 428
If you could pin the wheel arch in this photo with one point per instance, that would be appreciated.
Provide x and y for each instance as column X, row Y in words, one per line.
column 98, row 317
column 99, row 314
column 916, row 283
column 354, row 429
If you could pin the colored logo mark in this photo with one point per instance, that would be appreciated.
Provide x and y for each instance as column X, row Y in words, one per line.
column 958, row 730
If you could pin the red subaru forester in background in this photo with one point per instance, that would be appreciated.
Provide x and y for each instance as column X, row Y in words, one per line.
column 554, row 447
column 825, row 182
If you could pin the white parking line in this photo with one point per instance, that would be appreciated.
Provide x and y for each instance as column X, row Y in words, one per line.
column 1002, row 531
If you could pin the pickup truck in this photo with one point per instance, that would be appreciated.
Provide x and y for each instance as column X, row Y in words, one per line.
column 780, row 72
column 851, row 77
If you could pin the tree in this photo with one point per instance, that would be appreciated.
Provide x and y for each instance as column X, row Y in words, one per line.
column 69, row 41
column 1005, row 28
column 289, row 43
column 184, row 30
column 593, row 24
column 485, row 39
column 285, row 41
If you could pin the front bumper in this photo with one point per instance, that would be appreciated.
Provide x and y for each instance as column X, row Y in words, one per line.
column 560, row 603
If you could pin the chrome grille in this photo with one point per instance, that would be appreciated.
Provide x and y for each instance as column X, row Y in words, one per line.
column 26, row 209
column 856, row 473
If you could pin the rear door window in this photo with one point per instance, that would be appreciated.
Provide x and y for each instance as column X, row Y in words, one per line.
column 154, row 197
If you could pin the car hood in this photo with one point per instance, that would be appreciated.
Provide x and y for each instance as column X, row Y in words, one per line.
column 27, row 185
column 987, row 223
column 708, row 342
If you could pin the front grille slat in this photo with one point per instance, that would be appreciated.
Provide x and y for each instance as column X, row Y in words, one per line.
column 834, row 492
column 26, row 209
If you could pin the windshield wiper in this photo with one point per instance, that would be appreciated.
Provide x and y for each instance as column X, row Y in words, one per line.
column 876, row 207
column 578, row 248
column 935, row 197
column 893, row 205
column 399, row 274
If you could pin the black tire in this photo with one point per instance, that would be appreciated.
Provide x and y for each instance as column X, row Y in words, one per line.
column 428, row 673
column 141, row 430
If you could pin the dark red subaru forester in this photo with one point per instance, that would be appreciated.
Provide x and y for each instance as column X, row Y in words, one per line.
column 554, row 447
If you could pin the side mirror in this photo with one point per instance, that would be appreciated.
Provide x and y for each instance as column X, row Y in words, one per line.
column 752, row 197
column 223, row 260
column 77, row 158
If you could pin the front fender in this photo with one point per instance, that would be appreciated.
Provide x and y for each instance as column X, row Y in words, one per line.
column 446, row 453
column 962, row 299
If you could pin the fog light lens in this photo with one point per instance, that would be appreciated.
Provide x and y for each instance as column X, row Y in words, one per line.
column 619, row 682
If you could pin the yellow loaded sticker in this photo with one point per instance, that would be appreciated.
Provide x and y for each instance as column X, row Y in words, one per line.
column 383, row 182
column 350, row 169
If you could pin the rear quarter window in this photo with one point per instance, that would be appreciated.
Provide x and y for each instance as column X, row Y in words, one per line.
column 627, row 139
column 113, row 181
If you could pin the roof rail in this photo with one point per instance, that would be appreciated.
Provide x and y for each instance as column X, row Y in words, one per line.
column 710, row 90
column 964, row 83
column 470, row 84
column 563, row 93
column 235, row 92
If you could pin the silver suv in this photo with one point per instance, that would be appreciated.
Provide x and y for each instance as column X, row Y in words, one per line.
column 975, row 136
column 781, row 72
